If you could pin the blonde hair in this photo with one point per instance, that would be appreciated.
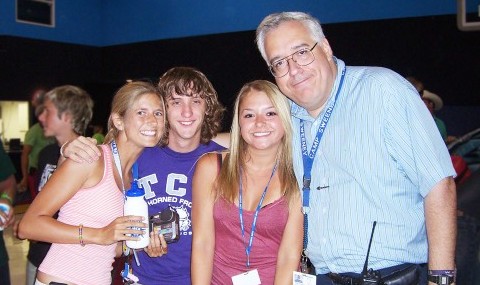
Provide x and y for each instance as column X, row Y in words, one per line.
column 124, row 98
column 228, row 180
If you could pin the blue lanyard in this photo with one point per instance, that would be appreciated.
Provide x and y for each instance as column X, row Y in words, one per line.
column 257, row 210
column 309, row 156
column 118, row 164
column 126, row 250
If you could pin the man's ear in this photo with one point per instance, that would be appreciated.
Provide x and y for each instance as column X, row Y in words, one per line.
column 327, row 49
column 66, row 116
column 117, row 121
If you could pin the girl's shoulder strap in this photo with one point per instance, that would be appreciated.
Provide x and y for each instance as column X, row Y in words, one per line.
column 106, row 151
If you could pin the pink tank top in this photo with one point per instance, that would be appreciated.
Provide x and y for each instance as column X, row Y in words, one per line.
column 94, row 207
column 230, row 258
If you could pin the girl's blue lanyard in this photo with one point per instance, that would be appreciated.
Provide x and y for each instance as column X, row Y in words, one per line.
column 248, row 248
column 118, row 164
column 309, row 156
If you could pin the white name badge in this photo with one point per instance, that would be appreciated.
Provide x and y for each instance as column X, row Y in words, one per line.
column 247, row 278
column 300, row 278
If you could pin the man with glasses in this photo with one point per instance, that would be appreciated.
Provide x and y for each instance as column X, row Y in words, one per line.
column 369, row 159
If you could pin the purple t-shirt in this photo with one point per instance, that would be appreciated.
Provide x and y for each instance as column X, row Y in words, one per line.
column 166, row 176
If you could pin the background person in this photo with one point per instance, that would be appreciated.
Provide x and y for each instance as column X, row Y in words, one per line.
column 435, row 103
column 7, row 195
column 33, row 143
column 98, row 133
column 416, row 83
column 256, row 178
column 90, row 222
column 379, row 158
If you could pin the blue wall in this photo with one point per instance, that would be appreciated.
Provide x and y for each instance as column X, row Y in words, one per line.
column 78, row 22
column 113, row 22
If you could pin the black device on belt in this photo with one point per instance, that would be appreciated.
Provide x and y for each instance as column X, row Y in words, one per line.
column 345, row 280
column 408, row 275
column 369, row 276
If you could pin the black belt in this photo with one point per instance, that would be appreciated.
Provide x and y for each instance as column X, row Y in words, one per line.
column 344, row 280
column 403, row 274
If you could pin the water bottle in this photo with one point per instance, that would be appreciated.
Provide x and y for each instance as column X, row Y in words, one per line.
column 4, row 208
column 136, row 205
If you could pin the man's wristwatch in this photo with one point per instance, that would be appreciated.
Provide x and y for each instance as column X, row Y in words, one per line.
column 442, row 277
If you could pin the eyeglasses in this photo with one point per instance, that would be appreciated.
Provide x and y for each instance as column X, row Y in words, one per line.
column 302, row 57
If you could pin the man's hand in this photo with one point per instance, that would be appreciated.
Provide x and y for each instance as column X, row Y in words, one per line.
column 82, row 149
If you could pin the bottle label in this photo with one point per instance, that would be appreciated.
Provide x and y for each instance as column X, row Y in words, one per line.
column 136, row 235
column 136, row 206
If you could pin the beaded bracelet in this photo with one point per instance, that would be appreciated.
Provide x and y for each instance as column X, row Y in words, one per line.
column 6, row 197
column 80, row 235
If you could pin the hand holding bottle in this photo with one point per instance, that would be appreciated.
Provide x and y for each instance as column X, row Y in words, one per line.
column 127, row 228
column 135, row 204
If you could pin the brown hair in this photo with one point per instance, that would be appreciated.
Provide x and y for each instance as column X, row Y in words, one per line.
column 74, row 101
column 188, row 81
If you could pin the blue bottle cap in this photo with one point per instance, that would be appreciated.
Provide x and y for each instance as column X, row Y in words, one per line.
column 134, row 190
column 4, row 208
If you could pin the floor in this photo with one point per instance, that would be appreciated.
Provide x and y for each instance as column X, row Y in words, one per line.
column 17, row 251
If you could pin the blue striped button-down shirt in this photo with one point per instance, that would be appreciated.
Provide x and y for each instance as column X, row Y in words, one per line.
column 379, row 157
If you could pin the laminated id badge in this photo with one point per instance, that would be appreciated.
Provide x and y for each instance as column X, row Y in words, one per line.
column 247, row 278
column 300, row 278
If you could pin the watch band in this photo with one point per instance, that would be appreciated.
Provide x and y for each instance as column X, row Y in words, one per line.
column 441, row 279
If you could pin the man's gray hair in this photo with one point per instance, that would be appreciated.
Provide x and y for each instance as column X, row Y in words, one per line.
column 272, row 21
